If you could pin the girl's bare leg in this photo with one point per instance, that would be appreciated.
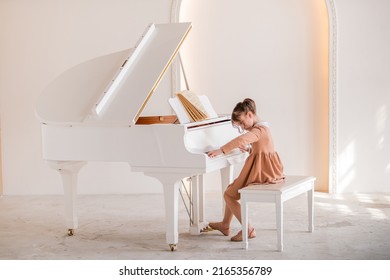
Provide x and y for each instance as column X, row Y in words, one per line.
column 235, row 208
column 224, row 226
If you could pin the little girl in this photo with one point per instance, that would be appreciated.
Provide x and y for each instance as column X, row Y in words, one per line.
column 263, row 165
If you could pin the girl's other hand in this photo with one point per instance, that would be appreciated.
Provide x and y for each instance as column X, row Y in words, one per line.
column 245, row 148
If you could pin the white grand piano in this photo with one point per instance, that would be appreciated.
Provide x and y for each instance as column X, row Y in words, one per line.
column 92, row 112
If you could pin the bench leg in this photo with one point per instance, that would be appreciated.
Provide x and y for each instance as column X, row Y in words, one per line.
column 279, row 221
column 244, row 222
column 310, row 200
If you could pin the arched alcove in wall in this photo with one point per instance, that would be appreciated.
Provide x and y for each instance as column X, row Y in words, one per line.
column 1, row 164
column 1, row 169
column 276, row 52
column 332, row 62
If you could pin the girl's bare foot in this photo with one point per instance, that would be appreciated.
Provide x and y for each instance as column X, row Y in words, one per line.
column 238, row 236
column 218, row 226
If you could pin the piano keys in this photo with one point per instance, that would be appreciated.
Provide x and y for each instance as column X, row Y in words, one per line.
column 92, row 112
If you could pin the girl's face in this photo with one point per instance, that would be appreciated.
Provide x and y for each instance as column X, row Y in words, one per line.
column 245, row 121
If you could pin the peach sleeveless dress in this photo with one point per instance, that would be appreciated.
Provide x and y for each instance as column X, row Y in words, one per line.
column 263, row 165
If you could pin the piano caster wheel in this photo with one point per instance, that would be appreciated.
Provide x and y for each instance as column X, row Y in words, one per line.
column 172, row 247
column 70, row 232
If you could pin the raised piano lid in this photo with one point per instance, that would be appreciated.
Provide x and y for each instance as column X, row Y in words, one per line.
column 114, row 88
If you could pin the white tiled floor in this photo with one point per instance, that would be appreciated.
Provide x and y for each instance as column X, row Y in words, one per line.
column 353, row 226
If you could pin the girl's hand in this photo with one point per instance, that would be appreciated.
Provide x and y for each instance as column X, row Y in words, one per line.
column 245, row 148
column 214, row 153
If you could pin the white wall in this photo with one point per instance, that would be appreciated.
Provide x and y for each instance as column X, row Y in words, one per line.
column 284, row 68
column 276, row 53
column 39, row 40
column 363, row 91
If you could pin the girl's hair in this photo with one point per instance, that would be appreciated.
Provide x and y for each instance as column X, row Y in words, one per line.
column 247, row 105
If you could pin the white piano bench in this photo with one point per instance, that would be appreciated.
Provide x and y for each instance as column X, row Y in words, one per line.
column 278, row 194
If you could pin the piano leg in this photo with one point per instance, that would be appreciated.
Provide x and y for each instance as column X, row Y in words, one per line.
column 69, row 172
column 171, row 185
column 198, row 224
